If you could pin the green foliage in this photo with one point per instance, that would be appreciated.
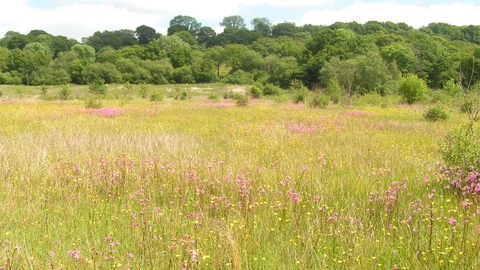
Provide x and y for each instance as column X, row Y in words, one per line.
column 98, row 87
column 319, row 101
column 156, row 96
column 334, row 90
column 94, row 102
column 183, row 75
column 466, row 107
column 256, row 92
column 461, row 148
column 300, row 92
column 241, row 100
column 214, row 97
column 271, row 90
column 452, row 88
column 370, row 99
column 239, row 77
column 412, row 88
column 43, row 91
column 65, row 92
column 142, row 91
column 435, row 113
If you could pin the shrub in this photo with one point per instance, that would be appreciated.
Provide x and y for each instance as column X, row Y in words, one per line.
column 256, row 92
column 43, row 91
column 467, row 107
column 65, row 92
column 156, row 96
column 334, row 90
column 435, row 113
column 143, row 90
column 452, row 88
column 214, row 97
column 94, row 102
column 412, row 88
column 242, row 100
column 461, row 148
column 320, row 101
column 271, row 90
column 300, row 96
column 300, row 92
column 98, row 87
column 461, row 155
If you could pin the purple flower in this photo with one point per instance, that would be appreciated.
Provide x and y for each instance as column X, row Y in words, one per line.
column 452, row 220
column 75, row 254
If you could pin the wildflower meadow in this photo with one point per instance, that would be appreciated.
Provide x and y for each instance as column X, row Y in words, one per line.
column 197, row 184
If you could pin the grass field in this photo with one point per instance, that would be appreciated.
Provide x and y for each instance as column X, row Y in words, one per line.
column 199, row 184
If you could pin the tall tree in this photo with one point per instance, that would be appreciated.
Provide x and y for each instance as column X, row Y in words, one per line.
column 191, row 24
column 262, row 25
column 284, row 29
column 145, row 34
column 234, row 21
column 204, row 34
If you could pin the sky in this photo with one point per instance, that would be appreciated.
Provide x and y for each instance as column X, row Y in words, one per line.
column 81, row 18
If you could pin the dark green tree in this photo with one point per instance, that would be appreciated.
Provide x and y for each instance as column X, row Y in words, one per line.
column 145, row 34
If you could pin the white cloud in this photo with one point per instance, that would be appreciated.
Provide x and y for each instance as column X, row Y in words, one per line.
column 416, row 16
column 81, row 18
column 74, row 21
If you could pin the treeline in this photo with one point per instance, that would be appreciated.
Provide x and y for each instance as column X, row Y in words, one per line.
column 360, row 58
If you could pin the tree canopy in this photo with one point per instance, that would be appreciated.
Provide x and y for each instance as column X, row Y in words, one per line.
column 356, row 58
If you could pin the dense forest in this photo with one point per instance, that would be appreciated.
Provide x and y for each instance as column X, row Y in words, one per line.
column 361, row 58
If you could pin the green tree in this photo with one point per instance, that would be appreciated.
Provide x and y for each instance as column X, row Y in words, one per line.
column 217, row 55
column 191, row 24
column 107, row 55
column 372, row 75
column 85, row 52
column 284, row 29
column 283, row 71
column 186, row 37
column 412, row 88
column 181, row 56
column 145, row 34
column 403, row 55
column 262, row 25
column 204, row 34
column 234, row 21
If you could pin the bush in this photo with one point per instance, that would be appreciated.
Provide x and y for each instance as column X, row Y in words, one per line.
column 214, row 97
column 256, row 92
column 239, row 77
column 98, row 87
column 435, row 113
column 320, row 101
column 242, row 100
column 65, row 92
column 93, row 102
column 412, row 88
column 143, row 90
column 461, row 148
column 452, row 88
column 271, row 90
column 156, row 96
column 300, row 96
column 43, row 91
column 334, row 90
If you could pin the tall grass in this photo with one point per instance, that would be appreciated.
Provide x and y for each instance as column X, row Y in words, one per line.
column 195, row 185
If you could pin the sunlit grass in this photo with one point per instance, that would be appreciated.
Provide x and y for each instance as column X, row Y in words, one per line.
column 182, row 184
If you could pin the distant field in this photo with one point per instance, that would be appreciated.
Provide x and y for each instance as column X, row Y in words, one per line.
column 203, row 184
